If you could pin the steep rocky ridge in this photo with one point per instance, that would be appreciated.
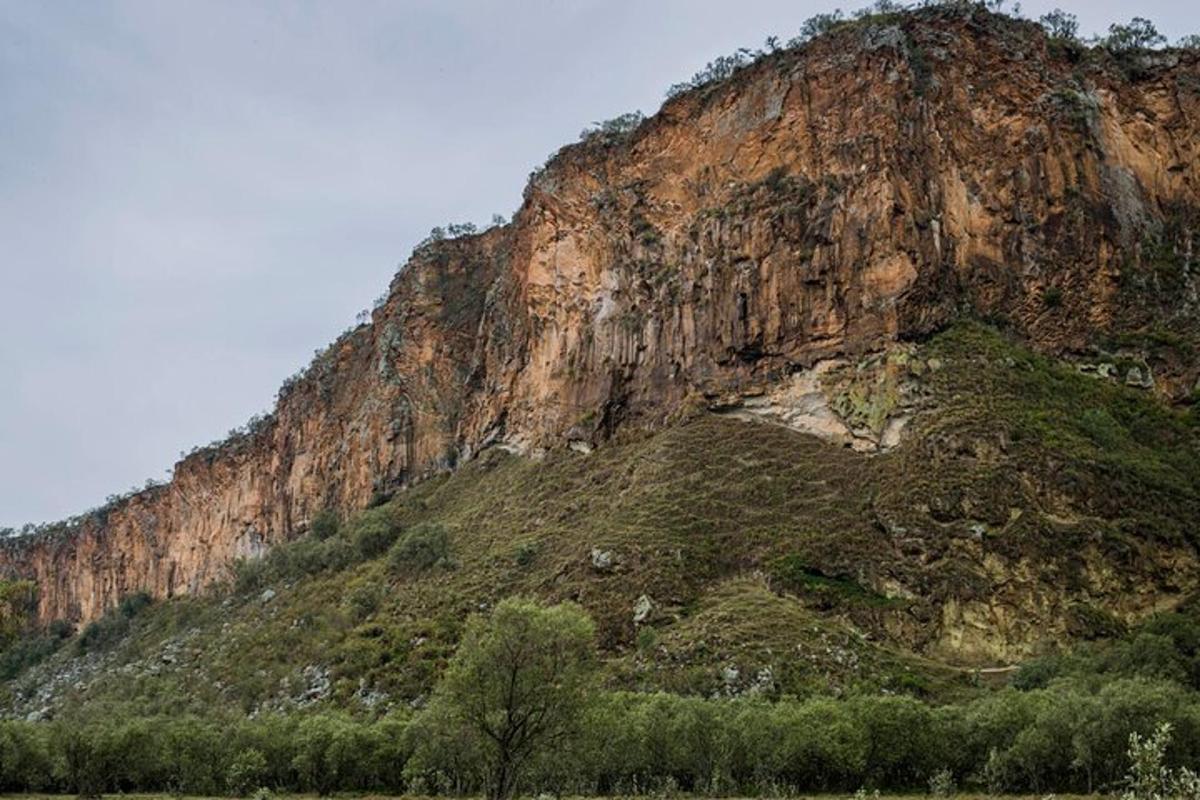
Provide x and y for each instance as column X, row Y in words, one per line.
column 826, row 202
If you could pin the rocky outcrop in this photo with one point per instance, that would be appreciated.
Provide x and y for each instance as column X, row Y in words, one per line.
column 824, row 202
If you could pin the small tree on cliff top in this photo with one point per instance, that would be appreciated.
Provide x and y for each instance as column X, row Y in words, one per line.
column 518, row 684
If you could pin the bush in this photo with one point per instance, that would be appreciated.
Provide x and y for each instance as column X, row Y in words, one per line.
column 133, row 604
column 363, row 600
column 817, row 25
column 526, row 553
column 310, row 556
column 942, row 783
column 614, row 128
column 81, row 769
column 1074, row 736
column 289, row 561
column 715, row 71
column 421, row 547
column 373, row 531
column 250, row 574
column 195, row 756
column 29, row 651
column 26, row 762
column 18, row 604
column 324, row 524
column 115, row 623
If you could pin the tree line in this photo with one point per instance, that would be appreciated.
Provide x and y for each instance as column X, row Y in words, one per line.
column 522, row 708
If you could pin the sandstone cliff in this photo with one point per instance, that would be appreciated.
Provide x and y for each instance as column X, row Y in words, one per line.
column 867, row 188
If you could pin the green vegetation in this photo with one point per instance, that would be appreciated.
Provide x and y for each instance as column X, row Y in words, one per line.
column 324, row 524
column 613, row 130
column 305, row 557
column 1164, row 647
column 513, row 693
column 1137, row 37
column 1061, row 26
column 519, row 710
column 113, row 626
column 1140, row 34
column 421, row 547
column 1149, row 776
column 372, row 532
column 32, row 649
column 18, row 599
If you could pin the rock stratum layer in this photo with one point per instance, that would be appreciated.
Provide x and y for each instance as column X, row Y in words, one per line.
column 829, row 201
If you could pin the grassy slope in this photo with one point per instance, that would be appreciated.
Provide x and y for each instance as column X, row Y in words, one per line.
column 759, row 547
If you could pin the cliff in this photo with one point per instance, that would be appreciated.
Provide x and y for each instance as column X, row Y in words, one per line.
column 870, row 187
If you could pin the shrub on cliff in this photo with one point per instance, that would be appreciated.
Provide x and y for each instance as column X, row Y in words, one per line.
column 715, row 71
column 613, row 129
column 1139, row 34
column 1060, row 25
column 133, row 604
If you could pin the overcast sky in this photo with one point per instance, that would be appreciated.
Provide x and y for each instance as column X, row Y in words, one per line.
column 196, row 195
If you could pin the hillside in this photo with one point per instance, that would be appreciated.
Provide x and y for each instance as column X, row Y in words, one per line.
column 1028, row 504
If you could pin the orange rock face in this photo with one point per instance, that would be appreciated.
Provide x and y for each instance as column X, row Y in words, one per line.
column 872, row 186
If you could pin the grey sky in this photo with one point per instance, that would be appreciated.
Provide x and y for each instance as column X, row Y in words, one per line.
column 196, row 195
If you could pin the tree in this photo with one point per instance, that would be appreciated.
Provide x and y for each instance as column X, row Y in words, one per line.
column 1139, row 34
column 329, row 754
column 817, row 25
column 1060, row 25
column 519, row 683
column 80, row 761
column 1149, row 777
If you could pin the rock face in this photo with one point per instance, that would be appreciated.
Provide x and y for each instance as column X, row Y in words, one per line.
column 824, row 202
